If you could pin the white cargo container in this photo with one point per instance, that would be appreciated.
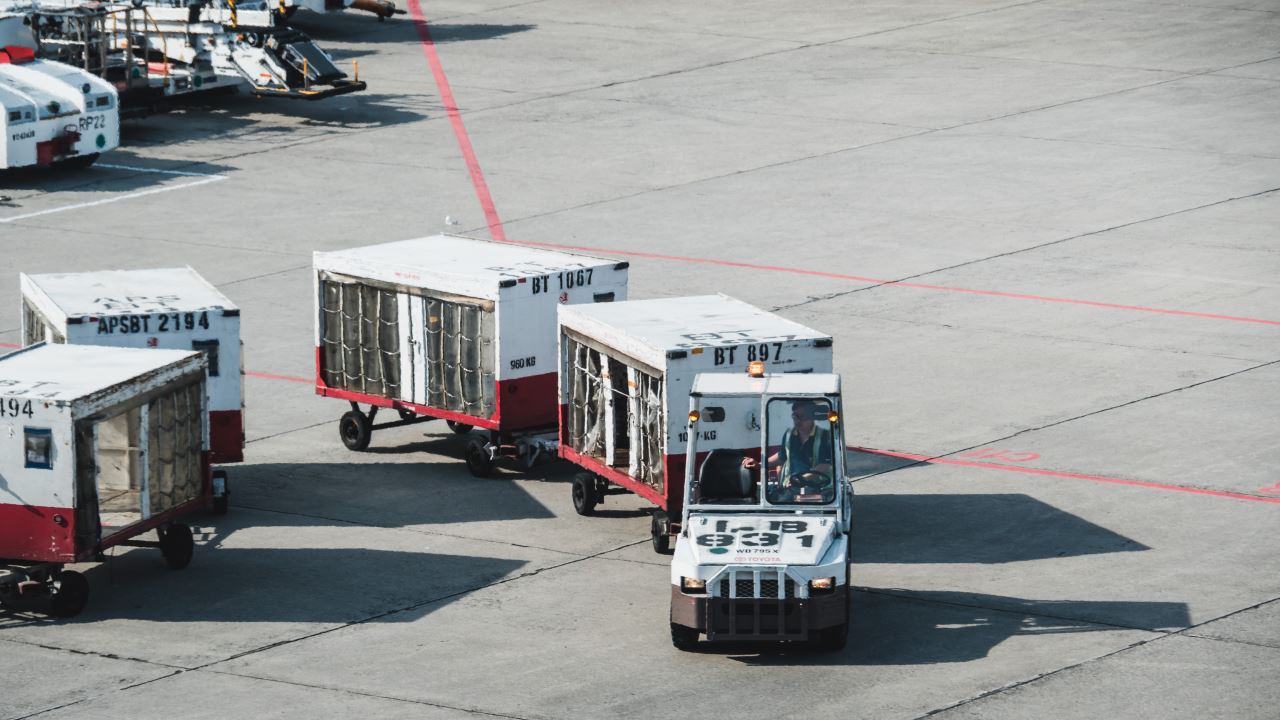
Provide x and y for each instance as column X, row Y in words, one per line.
column 97, row 446
column 625, row 374
column 168, row 308
column 453, row 328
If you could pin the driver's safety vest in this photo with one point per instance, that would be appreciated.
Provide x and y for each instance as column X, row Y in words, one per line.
column 819, row 435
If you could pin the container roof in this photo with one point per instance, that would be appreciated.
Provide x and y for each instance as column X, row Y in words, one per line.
column 445, row 262
column 684, row 322
column 128, row 292
column 70, row 372
column 784, row 384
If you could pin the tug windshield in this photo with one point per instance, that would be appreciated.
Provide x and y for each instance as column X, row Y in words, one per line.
column 800, row 451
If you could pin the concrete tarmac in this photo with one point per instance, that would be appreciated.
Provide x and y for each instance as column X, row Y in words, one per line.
column 1043, row 235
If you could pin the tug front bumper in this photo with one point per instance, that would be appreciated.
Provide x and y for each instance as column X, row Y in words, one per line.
column 759, row 618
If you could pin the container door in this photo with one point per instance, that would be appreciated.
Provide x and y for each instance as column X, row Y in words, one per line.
column 413, row 348
column 88, row 529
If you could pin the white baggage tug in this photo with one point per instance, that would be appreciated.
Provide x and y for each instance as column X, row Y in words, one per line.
column 763, row 561
column 626, row 370
column 169, row 308
column 453, row 328
column 97, row 446
column 52, row 114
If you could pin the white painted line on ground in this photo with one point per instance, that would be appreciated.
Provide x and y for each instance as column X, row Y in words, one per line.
column 154, row 170
column 206, row 179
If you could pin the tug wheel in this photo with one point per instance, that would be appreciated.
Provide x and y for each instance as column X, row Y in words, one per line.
column 457, row 427
column 479, row 463
column 584, row 493
column 355, row 430
column 70, row 594
column 683, row 638
column 78, row 162
column 658, row 531
column 177, row 545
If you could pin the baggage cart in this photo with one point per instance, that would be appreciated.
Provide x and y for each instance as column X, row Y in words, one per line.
column 169, row 308
column 625, row 374
column 452, row 328
column 98, row 445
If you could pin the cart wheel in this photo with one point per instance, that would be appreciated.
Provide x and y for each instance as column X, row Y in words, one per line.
column 478, row 460
column 460, row 428
column 683, row 638
column 658, row 531
column 177, row 545
column 584, row 493
column 70, row 594
column 220, row 501
column 356, row 430
column 405, row 413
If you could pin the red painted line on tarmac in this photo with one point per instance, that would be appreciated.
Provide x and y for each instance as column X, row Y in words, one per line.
column 285, row 378
column 896, row 283
column 455, row 118
column 1069, row 475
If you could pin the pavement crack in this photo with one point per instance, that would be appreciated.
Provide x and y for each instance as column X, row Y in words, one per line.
column 1030, row 248
column 1091, row 413
column 416, row 605
column 400, row 528
column 361, row 693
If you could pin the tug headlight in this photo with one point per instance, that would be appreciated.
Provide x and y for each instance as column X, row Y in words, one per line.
column 693, row 586
column 822, row 585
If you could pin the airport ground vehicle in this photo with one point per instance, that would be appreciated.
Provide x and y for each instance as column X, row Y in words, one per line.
column 153, row 52
column 453, row 328
column 98, row 445
column 626, row 370
column 53, row 114
column 169, row 308
column 762, row 552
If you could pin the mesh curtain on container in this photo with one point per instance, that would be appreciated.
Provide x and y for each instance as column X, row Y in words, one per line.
column 459, row 357
column 361, row 338
column 588, row 407
column 175, row 435
column 34, row 326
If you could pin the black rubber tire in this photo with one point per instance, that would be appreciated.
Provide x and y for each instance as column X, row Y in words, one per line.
column 70, row 594
column 221, row 504
column 177, row 545
column 405, row 413
column 355, row 430
column 658, row 533
column 457, row 427
column 584, row 493
column 832, row 639
column 683, row 638
column 477, row 456
column 77, row 162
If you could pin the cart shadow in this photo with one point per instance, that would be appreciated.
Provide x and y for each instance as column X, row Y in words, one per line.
column 903, row 627
column 288, row 585
column 384, row 494
column 973, row 528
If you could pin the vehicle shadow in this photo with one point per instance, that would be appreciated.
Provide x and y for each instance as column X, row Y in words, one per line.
column 861, row 462
column 118, row 171
column 973, row 528
column 906, row 627
column 359, row 27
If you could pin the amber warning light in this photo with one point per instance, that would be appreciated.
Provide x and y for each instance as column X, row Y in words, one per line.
column 755, row 368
